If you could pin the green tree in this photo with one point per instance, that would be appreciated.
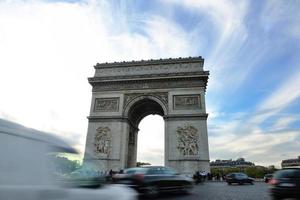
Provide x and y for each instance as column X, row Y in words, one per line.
column 65, row 166
column 140, row 164
column 253, row 171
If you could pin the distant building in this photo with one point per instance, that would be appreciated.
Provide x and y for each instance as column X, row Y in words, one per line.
column 291, row 162
column 240, row 162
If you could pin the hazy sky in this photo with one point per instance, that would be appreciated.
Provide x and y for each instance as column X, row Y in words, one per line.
column 251, row 48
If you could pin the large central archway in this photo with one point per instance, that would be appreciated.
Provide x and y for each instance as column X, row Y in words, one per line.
column 124, row 93
column 136, row 110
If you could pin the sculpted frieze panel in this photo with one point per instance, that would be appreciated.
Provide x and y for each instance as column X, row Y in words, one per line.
column 187, row 138
column 137, row 85
column 186, row 102
column 102, row 142
column 106, row 104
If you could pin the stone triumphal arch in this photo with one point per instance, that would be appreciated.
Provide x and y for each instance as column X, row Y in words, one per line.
column 125, row 92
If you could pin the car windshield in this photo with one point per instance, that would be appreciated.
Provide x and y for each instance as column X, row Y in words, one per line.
column 161, row 170
column 241, row 175
column 134, row 170
column 287, row 173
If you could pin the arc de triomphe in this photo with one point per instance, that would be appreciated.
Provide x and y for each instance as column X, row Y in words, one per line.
column 125, row 92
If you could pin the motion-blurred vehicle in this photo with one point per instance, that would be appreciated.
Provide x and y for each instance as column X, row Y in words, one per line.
column 153, row 180
column 239, row 178
column 268, row 177
column 285, row 184
column 199, row 177
column 35, row 165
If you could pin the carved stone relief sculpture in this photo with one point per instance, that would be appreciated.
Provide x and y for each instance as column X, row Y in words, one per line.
column 184, row 102
column 106, row 104
column 102, row 141
column 187, row 138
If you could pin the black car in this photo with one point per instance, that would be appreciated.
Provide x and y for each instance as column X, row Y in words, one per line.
column 239, row 178
column 154, row 180
column 285, row 184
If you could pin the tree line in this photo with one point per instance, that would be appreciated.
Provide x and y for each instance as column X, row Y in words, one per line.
column 253, row 171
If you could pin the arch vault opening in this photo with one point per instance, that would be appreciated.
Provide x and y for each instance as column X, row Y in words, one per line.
column 145, row 108
column 151, row 140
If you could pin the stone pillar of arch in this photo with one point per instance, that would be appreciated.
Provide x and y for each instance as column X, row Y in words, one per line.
column 125, row 92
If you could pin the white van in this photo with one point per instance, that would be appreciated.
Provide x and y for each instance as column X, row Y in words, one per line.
column 27, row 173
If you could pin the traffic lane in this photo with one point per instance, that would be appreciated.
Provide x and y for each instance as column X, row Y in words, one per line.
column 222, row 191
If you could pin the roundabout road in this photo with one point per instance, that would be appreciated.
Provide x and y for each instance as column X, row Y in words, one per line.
column 222, row 191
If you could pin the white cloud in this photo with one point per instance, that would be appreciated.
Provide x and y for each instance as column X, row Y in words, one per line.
column 284, row 14
column 285, row 94
column 285, row 121
column 256, row 146
column 48, row 50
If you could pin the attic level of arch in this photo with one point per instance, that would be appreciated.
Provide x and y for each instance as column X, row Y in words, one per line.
column 151, row 74
column 160, row 61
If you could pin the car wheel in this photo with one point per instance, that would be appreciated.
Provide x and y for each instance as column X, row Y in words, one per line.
column 251, row 183
column 228, row 183
column 152, row 191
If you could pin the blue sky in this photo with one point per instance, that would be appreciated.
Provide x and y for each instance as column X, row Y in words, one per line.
column 251, row 48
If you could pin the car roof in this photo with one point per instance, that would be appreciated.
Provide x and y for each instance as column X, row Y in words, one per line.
column 14, row 129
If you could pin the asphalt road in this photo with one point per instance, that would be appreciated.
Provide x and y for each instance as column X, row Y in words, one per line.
column 222, row 191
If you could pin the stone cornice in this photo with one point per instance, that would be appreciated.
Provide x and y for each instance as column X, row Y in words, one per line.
column 186, row 116
column 140, row 84
column 204, row 74
column 150, row 62
column 167, row 117
column 109, row 118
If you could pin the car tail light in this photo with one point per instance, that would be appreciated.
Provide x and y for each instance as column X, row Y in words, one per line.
column 273, row 181
column 139, row 177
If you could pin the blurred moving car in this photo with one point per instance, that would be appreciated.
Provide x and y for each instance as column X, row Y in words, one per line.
column 34, row 166
column 199, row 177
column 268, row 177
column 239, row 178
column 285, row 184
column 153, row 180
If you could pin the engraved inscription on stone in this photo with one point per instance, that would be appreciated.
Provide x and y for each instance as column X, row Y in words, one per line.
column 102, row 145
column 187, row 138
column 186, row 102
column 106, row 104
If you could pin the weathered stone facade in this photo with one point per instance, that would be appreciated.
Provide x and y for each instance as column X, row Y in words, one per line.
column 125, row 92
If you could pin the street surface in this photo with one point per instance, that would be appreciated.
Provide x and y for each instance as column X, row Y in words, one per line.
column 222, row 191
